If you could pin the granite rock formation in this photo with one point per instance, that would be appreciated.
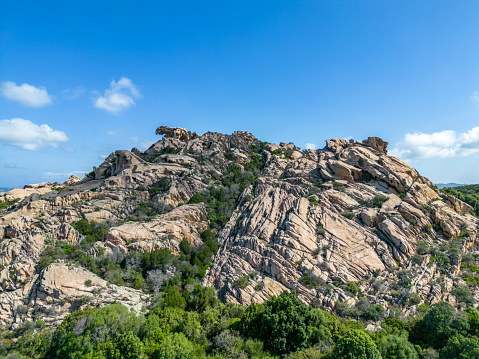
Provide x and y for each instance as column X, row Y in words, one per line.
column 345, row 213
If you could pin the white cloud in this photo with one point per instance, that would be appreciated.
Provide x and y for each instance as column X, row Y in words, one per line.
column 26, row 94
column 444, row 144
column 73, row 93
column 119, row 97
column 311, row 146
column 475, row 96
column 59, row 175
column 28, row 135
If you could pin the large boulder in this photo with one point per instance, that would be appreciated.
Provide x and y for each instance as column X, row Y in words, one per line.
column 176, row 132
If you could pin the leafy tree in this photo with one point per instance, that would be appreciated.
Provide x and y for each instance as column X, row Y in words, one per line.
column 284, row 324
column 438, row 325
column 397, row 347
column 473, row 319
column 463, row 294
column 157, row 259
column 34, row 345
column 175, row 346
column 460, row 347
column 355, row 344
column 185, row 246
column 129, row 346
column 178, row 321
column 83, row 332
column 173, row 298
column 202, row 298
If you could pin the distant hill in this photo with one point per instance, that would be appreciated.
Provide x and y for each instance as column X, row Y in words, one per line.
column 444, row 185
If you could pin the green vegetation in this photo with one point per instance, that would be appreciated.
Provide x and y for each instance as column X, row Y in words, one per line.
column 220, row 201
column 7, row 204
column 284, row 324
column 378, row 201
column 356, row 344
column 348, row 215
column 137, row 269
column 189, row 322
column 468, row 194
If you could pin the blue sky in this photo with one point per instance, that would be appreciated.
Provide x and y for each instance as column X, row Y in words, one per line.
column 79, row 80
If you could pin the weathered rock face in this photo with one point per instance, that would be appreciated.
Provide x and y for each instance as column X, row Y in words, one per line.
column 347, row 212
column 28, row 190
column 377, row 143
column 337, row 232
column 59, row 290
column 176, row 133
column 165, row 231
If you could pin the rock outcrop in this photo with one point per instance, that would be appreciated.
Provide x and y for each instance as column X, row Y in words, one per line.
column 308, row 221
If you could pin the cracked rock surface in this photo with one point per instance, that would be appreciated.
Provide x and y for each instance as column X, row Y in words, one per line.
column 308, row 221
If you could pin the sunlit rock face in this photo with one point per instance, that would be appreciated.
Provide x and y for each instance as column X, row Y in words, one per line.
column 344, row 213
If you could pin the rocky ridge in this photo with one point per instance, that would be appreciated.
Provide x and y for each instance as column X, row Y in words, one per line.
column 329, row 224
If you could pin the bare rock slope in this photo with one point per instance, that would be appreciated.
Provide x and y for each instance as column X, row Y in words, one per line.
column 309, row 221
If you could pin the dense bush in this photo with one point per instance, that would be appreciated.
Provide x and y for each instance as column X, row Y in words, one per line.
column 284, row 323
column 189, row 322
column 356, row 344
column 459, row 347
column 438, row 325
column 397, row 347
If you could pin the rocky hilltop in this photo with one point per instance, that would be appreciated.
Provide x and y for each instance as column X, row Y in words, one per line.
column 328, row 224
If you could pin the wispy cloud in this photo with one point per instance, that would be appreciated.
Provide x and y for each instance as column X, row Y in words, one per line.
column 119, row 97
column 111, row 132
column 29, row 136
column 69, row 149
column 443, row 144
column 10, row 165
column 26, row 94
column 475, row 96
column 311, row 146
column 73, row 93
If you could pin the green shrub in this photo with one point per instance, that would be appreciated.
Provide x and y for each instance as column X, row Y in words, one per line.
column 378, row 201
column 175, row 346
column 242, row 282
column 160, row 186
column 356, row 344
column 348, row 214
column 284, row 324
column 463, row 294
column 438, row 325
column 460, row 347
column 397, row 347
column 352, row 287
